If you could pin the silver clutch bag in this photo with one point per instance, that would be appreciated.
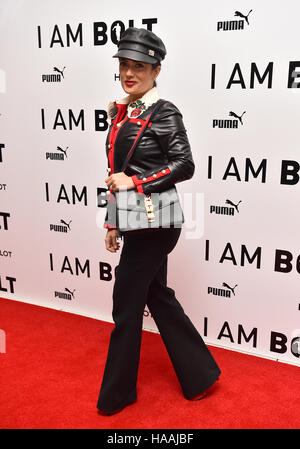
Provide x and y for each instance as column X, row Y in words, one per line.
column 139, row 211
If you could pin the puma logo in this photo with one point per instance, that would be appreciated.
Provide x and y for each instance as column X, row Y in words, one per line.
column 63, row 151
column 55, row 69
column 234, row 205
column 230, row 288
column 67, row 224
column 239, row 14
column 225, row 210
column 239, row 117
column 71, row 292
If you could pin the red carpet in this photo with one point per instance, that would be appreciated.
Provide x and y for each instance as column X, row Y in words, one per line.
column 51, row 372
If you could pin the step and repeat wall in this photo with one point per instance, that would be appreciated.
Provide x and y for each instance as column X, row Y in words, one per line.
column 233, row 70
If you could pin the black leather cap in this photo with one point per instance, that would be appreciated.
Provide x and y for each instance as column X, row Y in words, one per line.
column 141, row 45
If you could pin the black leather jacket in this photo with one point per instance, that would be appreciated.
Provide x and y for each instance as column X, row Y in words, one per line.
column 162, row 158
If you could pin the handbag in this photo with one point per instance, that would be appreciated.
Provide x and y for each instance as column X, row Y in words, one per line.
column 136, row 210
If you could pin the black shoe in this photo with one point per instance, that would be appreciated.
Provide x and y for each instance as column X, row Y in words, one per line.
column 102, row 412
column 199, row 396
column 203, row 394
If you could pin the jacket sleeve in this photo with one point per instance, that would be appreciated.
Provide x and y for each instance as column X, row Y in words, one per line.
column 170, row 133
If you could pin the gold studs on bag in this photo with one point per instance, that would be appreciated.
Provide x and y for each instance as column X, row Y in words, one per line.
column 149, row 208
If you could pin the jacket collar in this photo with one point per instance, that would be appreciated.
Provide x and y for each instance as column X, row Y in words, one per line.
column 136, row 107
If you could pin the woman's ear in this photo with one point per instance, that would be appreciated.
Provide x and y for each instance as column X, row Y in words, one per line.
column 157, row 70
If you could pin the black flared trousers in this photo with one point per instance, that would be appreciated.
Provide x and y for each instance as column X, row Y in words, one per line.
column 141, row 279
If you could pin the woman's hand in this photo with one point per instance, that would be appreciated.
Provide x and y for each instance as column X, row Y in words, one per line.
column 111, row 242
column 119, row 181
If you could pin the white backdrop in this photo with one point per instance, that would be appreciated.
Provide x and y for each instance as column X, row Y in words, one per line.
column 235, row 268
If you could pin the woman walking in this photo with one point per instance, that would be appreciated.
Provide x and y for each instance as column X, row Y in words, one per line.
column 162, row 158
